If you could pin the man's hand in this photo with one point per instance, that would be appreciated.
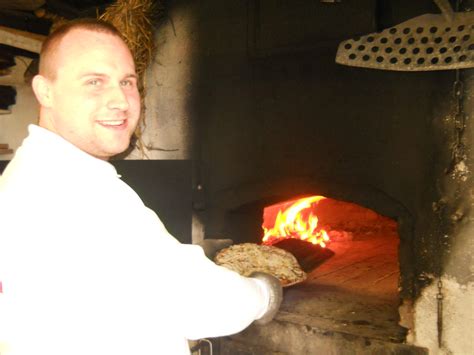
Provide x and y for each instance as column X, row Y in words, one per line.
column 275, row 291
column 212, row 246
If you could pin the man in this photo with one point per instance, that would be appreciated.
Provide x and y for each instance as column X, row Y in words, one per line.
column 85, row 267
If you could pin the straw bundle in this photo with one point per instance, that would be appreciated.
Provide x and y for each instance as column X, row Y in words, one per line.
column 132, row 19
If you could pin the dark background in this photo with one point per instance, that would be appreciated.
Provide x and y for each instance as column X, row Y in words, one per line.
column 164, row 186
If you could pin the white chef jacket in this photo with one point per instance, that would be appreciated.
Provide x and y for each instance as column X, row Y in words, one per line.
column 87, row 268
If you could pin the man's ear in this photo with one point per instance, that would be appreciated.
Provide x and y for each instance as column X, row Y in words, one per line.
column 42, row 89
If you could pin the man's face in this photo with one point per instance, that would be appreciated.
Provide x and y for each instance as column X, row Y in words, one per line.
column 95, row 101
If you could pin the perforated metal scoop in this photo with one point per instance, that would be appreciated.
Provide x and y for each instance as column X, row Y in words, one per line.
column 427, row 42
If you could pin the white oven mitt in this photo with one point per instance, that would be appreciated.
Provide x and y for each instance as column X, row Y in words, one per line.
column 273, row 286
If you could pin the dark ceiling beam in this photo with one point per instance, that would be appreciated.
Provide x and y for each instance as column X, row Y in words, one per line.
column 71, row 9
column 24, row 21
column 62, row 8
column 9, row 51
column 23, row 5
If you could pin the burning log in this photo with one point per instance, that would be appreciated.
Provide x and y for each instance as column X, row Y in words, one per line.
column 293, row 219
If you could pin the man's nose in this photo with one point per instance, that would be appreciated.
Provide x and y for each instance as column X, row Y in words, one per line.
column 117, row 99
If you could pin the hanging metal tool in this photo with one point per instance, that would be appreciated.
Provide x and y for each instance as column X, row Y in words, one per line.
column 427, row 42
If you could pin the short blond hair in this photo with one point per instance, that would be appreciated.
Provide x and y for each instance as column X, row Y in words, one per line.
column 52, row 42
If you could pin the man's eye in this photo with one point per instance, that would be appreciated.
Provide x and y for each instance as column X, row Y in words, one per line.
column 93, row 82
column 126, row 83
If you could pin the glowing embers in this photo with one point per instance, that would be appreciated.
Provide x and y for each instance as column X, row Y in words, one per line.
column 293, row 219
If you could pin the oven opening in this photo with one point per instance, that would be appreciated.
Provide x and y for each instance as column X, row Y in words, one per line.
column 351, row 256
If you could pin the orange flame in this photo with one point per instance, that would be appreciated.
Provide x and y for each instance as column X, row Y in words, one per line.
column 295, row 219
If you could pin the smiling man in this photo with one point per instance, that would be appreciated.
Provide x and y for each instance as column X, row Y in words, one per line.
column 87, row 89
column 85, row 266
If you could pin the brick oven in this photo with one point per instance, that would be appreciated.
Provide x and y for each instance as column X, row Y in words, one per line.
column 250, row 92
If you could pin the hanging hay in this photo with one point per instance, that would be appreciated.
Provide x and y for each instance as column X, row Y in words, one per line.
column 133, row 18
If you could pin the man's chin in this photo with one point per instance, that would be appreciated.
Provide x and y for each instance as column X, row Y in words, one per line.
column 123, row 154
column 111, row 152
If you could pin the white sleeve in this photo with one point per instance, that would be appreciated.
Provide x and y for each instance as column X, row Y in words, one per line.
column 216, row 301
column 4, row 320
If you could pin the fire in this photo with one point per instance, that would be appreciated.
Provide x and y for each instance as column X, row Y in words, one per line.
column 295, row 219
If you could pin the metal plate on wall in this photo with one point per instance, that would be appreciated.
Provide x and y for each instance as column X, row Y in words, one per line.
column 427, row 42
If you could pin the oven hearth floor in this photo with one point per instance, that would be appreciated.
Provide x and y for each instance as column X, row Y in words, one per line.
column 348, row 305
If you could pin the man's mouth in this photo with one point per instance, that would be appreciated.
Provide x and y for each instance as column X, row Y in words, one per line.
column 112, row 123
